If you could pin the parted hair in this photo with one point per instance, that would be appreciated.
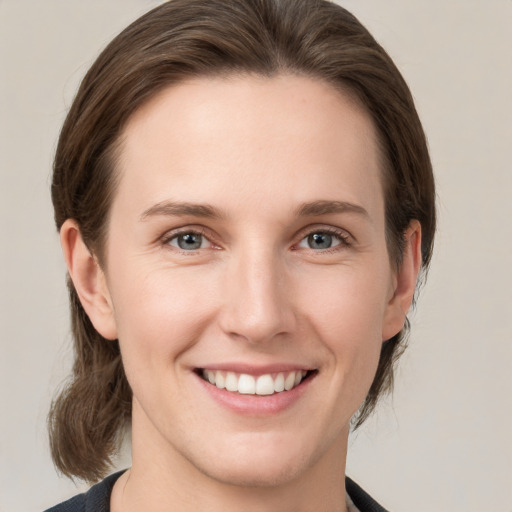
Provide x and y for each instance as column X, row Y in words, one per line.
column 183, row 39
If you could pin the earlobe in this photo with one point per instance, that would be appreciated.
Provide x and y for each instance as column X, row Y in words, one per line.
column 405, row 283
column 88, row 279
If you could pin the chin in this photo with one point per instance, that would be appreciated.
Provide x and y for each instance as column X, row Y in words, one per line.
column 253, row 475
column 270, row 464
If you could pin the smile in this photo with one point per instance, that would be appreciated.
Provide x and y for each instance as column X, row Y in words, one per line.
column 263, row 385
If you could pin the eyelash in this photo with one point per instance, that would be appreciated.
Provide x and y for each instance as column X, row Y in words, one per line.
column 345, row 240
column 166, row 240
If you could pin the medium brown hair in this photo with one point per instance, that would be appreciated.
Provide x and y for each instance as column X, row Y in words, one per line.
column 194, row 38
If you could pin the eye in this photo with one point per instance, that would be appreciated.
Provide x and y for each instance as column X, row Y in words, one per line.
column 322, row 240
column 188, row 241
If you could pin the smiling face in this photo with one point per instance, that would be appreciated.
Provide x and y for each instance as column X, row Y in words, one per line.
column 246, row 249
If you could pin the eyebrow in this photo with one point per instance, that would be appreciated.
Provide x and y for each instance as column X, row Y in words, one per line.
column 311, row 209
column 323, row 207
column 176, row 209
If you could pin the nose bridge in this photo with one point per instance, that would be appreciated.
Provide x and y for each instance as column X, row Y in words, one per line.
column 257, row 303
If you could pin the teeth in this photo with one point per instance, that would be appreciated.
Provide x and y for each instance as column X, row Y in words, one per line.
column 220, row 380
column 265, row 385
column 279, row 383
column 289, row 381
column 248, row 385
column 231, row 381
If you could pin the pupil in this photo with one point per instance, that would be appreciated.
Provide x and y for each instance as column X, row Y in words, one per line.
column 320, row 241
column 189, row 241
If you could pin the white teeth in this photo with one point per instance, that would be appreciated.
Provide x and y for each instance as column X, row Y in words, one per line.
column 265, row 385
column 231, row 381
column 279, row 383
column 289, row 381
column 248, row 385
column 220, row 380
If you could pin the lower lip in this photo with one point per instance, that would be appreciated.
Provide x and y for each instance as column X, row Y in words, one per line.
column 256, row 405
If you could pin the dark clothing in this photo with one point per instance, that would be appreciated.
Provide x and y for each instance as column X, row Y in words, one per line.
column 364, row 502
column 97, row 498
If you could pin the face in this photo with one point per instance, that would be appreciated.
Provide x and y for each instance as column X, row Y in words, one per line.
column 248, row 275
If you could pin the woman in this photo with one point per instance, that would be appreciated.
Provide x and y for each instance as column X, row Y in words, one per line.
column 245, row 201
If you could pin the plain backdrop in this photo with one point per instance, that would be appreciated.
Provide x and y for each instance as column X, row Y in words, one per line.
column 443, row 443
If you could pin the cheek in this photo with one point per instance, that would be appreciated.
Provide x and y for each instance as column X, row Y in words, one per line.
column 345, row 307
column 159, row 313
column 346, row 303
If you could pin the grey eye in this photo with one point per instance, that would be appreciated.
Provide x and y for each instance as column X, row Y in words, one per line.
column 319, row 240
column 188, row 241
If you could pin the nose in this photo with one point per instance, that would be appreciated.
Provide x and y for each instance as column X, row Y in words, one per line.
column 258, row 299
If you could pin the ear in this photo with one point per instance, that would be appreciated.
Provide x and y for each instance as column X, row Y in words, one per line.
column 404, row 283
column 88, row 279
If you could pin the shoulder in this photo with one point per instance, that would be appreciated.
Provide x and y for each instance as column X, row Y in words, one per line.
column 96, row 499
column 362, row 500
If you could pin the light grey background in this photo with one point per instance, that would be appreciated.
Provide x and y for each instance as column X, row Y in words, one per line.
column 444, row 442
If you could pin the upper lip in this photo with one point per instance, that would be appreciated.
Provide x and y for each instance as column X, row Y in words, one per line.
column 252, row 369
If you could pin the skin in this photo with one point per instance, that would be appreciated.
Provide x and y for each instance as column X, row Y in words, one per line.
column 256, row 291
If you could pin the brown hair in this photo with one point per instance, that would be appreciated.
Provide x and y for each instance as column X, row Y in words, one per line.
column 182, row 39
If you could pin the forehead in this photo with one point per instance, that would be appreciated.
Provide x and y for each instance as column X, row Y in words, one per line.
column 255, row 135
